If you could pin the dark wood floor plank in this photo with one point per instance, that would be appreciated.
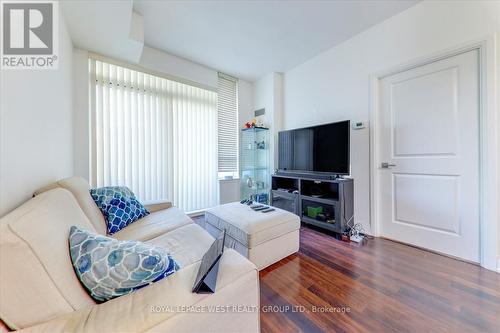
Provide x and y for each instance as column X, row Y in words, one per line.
column 299, row 319
column 388, row 286
column 296, row 295
column 405, row 273
column 276, row 319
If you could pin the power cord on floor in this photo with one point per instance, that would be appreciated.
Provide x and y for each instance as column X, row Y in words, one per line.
column 357, row 229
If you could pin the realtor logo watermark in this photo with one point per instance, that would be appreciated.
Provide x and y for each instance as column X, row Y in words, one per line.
column 29, row 35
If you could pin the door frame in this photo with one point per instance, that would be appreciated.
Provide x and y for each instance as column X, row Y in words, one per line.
column 489, row 125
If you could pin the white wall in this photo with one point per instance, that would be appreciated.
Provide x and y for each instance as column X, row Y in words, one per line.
column 36, row 126
column 245, row 102
column 172, row 65
column 229, row 191
column 81, row 121
column 268, row 94
column 335, row 84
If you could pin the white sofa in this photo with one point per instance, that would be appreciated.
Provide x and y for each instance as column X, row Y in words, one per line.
column 40, row 292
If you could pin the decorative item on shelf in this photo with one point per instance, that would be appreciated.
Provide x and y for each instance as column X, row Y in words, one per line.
column 250, row 182
column 260, row 123
column 260, row 145
column 250, row 124
column 254, row 123
column 261, row 197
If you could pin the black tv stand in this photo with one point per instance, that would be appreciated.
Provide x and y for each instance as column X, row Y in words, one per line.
column 326, row 176
column 322, row 200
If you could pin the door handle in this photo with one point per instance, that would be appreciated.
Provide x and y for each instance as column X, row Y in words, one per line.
column 386, row 165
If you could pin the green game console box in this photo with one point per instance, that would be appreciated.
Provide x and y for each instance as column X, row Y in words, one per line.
column 313, row 211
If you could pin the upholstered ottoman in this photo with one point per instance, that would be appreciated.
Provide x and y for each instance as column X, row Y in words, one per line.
column 264, row 238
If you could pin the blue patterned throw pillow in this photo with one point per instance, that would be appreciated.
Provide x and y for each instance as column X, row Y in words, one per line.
column 118, row 205
column 109, row 268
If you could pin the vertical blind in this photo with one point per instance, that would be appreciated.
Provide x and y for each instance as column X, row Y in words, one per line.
column 227, row 90
column 154, row 135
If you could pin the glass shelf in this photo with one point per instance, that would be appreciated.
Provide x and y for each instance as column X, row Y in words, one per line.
column 254, row 164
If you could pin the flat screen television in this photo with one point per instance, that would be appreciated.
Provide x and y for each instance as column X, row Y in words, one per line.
column 324, row 148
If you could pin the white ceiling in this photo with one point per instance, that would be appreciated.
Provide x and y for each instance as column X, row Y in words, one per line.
column 249, row 39
column 105, row 27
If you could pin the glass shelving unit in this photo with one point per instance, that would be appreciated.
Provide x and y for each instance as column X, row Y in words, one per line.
column 254, row 164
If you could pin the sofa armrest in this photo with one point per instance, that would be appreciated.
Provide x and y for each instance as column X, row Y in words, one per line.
column 45, row 189
column 156, row 206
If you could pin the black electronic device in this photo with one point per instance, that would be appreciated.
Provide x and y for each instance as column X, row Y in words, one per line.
column 206, row 279
column 318, row 149
column 261, row 208
column 267, row 210
column 321, row 217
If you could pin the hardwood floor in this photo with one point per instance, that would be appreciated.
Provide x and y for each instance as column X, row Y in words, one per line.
column 379, row 286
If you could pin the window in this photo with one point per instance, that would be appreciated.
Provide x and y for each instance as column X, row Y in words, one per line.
column 227, row 104
column 154, row 135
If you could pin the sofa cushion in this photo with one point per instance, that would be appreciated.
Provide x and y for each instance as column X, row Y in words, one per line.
column 80, row 188
column 186, row 244
column 37, row 281
column 110, row 268
column 161, row 306
column 119, row 206
column 154, row 225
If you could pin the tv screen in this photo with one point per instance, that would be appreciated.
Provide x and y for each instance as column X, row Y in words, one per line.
column 323, row 148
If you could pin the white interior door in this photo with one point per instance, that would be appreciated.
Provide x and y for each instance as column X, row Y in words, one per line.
column 429, row 135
